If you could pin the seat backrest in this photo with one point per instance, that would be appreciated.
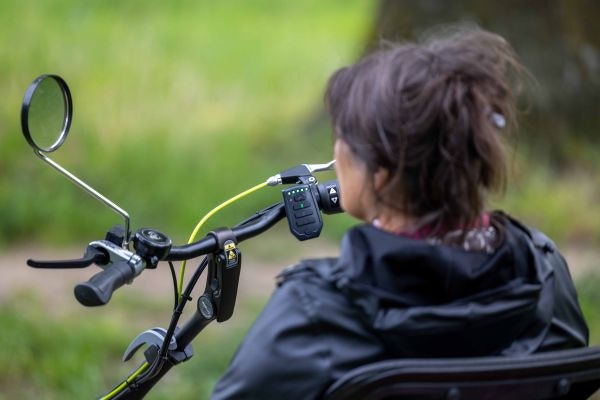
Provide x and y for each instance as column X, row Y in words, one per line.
column 565, row 374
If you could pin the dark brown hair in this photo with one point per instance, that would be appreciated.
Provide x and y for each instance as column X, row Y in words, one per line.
column 433, row 114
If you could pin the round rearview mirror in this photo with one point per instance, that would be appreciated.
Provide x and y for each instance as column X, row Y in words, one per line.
column 46, row 113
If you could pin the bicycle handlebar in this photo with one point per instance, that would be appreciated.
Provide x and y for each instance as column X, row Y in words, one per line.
column 242, row 232
column 152, row 246
column 99, row 289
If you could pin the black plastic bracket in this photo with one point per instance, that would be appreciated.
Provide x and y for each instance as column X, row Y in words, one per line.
column 116, row 235
column 223, row 274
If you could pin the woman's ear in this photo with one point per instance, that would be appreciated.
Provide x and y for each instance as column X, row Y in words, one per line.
column 380, row 178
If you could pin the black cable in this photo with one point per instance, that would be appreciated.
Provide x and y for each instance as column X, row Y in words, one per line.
column 174, row 278
column 185, row 297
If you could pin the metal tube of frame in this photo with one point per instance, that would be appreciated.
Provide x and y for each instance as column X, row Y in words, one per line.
column 90, row 190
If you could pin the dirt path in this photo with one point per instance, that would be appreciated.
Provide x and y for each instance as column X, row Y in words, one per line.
column 56, row 286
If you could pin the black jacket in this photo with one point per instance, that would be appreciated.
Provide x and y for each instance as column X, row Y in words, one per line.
column 389, row 296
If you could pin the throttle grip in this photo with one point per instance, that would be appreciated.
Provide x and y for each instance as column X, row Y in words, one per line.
column 99, row 289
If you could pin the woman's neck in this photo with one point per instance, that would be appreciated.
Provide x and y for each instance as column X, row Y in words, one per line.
column 394, row 223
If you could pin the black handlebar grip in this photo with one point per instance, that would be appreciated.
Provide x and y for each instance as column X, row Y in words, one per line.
column 99, row 289
column 329, row 197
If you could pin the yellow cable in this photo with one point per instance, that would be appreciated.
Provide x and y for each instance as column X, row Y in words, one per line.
column 123, row 385
column 204, row 219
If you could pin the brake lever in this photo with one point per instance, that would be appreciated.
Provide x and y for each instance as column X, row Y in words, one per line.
column 292, row 175
column 92, row 255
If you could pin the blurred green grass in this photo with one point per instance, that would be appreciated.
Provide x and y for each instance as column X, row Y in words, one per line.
column 177, row 106
column 181, row 105
column 51, row 355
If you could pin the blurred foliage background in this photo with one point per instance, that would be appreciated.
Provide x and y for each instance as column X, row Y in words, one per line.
column 180, row 105
column 176, row 107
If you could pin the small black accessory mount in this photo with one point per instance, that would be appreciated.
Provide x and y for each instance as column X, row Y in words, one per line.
column 224, row 265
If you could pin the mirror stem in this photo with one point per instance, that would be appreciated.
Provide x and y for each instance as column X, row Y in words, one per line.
column 91, row 191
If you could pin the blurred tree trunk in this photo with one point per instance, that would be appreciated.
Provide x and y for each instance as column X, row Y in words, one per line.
column 557, row 40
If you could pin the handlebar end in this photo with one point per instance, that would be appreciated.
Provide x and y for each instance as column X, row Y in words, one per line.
column 90, row 296
column 99, row 289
